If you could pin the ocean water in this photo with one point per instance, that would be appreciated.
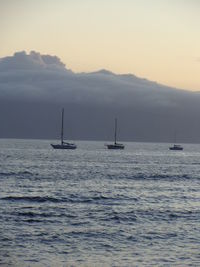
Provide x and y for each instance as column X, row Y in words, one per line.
column 98, row 207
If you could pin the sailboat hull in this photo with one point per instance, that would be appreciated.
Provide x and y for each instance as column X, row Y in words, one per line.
column 64, row 146
column 115, row 146
column 175, row 148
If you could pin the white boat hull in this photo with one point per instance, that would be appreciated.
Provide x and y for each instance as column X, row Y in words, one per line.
column 64, row 146
column 172, row 148
column 115, row 146
column 176, row 147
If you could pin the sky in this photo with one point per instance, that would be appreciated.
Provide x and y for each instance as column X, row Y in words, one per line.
column 155, row 39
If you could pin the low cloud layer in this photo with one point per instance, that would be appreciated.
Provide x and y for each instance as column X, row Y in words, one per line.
column 34, row 87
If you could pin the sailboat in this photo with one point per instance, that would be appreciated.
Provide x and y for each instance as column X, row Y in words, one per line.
column 115, row 145
column 175, row 146
column 63, row 144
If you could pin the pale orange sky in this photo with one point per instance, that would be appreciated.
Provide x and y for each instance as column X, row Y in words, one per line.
column 155, row 39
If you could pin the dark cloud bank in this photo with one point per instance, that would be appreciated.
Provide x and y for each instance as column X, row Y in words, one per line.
column 34, row 88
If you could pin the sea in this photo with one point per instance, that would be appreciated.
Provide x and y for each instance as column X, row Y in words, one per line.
column 98, row 207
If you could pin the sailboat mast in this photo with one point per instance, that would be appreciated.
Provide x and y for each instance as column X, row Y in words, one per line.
column 115, row 131
column 62, row 126
column 174, row 137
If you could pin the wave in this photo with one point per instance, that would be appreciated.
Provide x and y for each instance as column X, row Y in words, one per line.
column 144, row 176
column 101, row 199
column 33, row 214
column 168, row 215
column 115, row 176
column 31, row 198
column 40, row 199
column 128, row 217
column 21, row 173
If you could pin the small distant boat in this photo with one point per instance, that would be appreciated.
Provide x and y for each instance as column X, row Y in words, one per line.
column 63, row 144
column 115, row 145
column 175, row 146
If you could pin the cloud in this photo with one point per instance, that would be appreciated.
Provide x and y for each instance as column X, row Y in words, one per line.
column 43, row 77
column 32, row 85
column 21, row 60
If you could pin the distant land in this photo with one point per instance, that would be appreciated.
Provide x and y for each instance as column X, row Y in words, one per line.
column 34, row 88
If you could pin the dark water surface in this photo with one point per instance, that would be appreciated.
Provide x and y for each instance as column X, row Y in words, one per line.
column 96, row 207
